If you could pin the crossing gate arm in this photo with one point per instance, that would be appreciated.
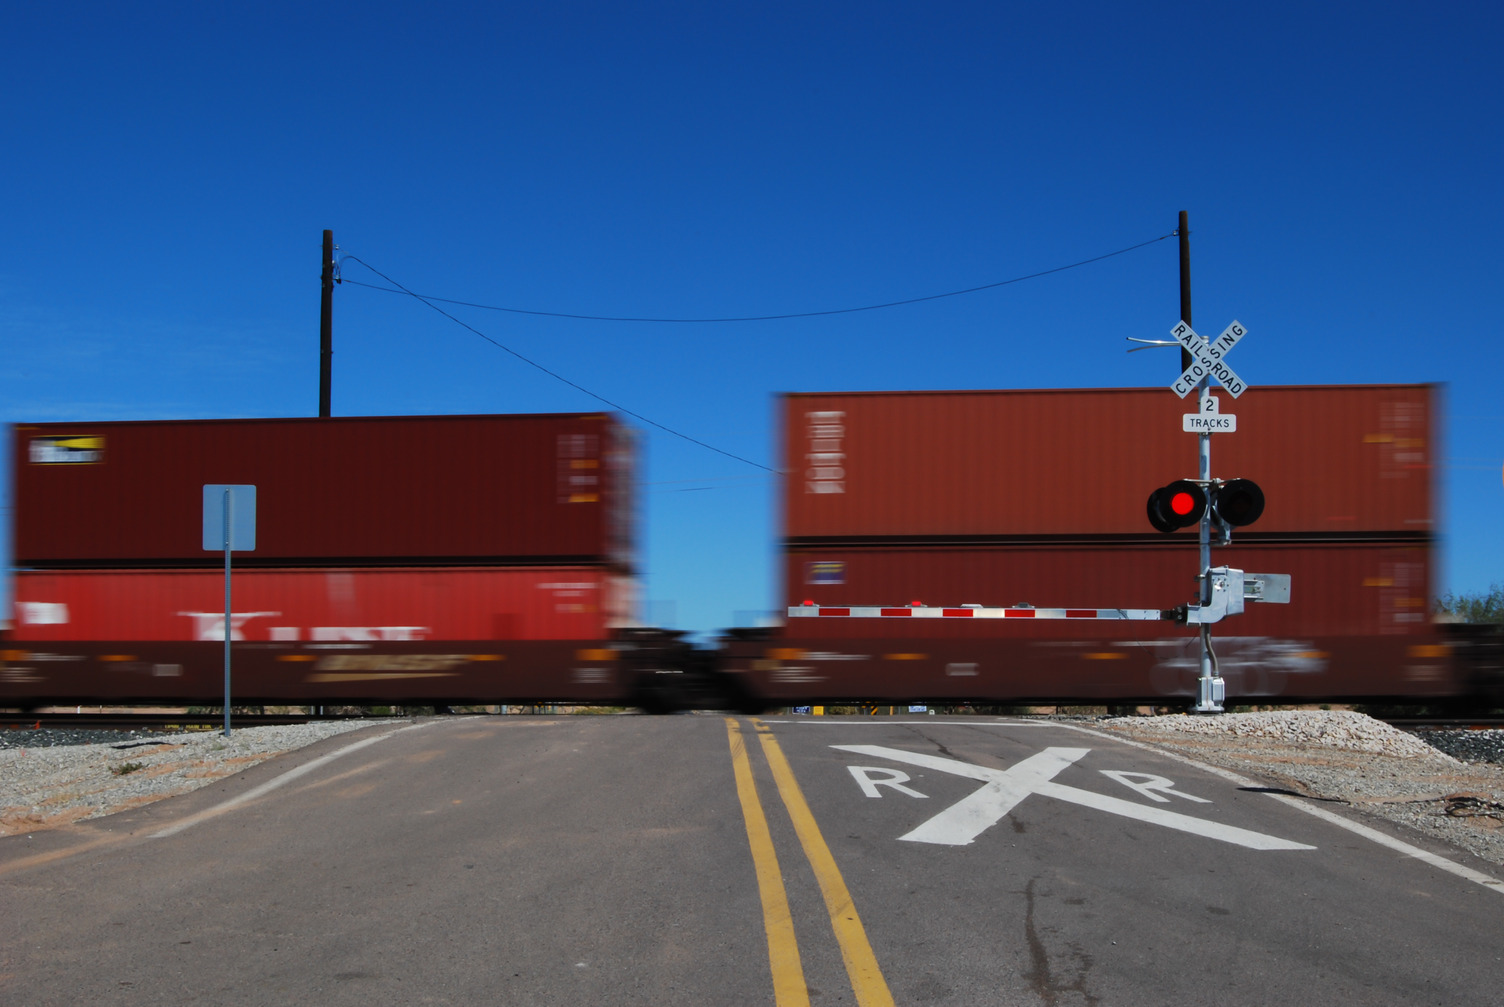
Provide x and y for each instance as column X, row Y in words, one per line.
column 812, row 611
column 1229, row 589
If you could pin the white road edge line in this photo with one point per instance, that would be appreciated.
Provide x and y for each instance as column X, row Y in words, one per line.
column 1373, row 835
column 278, row 781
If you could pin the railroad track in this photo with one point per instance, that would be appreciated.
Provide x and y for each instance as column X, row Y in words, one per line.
column 215, row 721
column 156, row 721
column 1490, row 723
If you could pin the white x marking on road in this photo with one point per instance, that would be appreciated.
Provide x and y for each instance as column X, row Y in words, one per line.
column 962, row 822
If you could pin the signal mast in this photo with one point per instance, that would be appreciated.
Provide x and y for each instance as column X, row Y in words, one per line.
column 1212, row 503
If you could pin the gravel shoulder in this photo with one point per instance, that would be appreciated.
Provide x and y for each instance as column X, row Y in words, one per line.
column 1351, row 759
column 45, row 785
column 1333, row 756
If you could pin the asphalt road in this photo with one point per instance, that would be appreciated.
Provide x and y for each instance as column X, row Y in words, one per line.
column 713, row 860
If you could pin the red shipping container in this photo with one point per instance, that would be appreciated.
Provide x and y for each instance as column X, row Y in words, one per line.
column 1332, row 460
column 543, row 489
column 360, row 605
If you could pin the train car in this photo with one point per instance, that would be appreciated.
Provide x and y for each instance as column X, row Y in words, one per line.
column 412, row 635
column 1038, row 498
column 437, row 560
column 479, row 559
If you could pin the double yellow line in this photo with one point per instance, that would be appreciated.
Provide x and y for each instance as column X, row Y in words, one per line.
column 789, row 988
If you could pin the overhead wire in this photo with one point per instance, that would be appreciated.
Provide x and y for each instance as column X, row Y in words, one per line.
column 755, row 318
column 434, row 302
column 559, row 377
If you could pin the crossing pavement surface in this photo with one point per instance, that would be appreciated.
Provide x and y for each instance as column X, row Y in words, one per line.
column 736, row 860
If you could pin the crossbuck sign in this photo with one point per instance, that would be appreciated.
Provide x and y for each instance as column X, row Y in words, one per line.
column 1208, row 359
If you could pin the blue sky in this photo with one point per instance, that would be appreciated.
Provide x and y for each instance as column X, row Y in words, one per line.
column 169, row 170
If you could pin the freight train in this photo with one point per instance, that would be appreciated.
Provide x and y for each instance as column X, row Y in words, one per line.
column 460, row 560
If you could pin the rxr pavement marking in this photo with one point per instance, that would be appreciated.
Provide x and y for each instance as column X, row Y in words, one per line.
column 962, row 822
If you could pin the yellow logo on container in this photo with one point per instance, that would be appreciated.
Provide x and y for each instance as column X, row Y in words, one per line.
column 72, row 449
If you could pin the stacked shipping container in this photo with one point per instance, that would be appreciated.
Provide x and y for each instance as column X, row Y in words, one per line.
column 462, row 490
column 1038, row 497
column 455, row 557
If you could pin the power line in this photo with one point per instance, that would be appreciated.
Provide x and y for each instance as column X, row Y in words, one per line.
column 555, row 375
column 752, row 318
column 433, row 302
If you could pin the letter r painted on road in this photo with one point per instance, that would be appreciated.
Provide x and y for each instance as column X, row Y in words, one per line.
column 1151, row 786
column 869, row 778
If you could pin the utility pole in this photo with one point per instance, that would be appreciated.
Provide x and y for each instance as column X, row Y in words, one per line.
column 1185, row 281
column 326, row 323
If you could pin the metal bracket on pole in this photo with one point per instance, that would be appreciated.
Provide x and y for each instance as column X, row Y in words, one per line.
column 1230, row 588
column 1267, row 587
column 1226, row 597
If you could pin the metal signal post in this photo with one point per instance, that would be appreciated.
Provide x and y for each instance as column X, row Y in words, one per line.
column 229, row 524
column 1211, row 688
column 1207, row 360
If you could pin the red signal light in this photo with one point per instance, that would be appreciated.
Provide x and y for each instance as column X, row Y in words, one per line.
column 1177, row 505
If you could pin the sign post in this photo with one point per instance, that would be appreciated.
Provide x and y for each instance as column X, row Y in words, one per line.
column 229, row 524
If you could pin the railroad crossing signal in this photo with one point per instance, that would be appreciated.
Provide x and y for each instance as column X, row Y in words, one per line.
column 1207, row 359
column 1182, row 503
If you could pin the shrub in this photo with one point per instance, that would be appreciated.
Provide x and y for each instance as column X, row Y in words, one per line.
column 1476, row 609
